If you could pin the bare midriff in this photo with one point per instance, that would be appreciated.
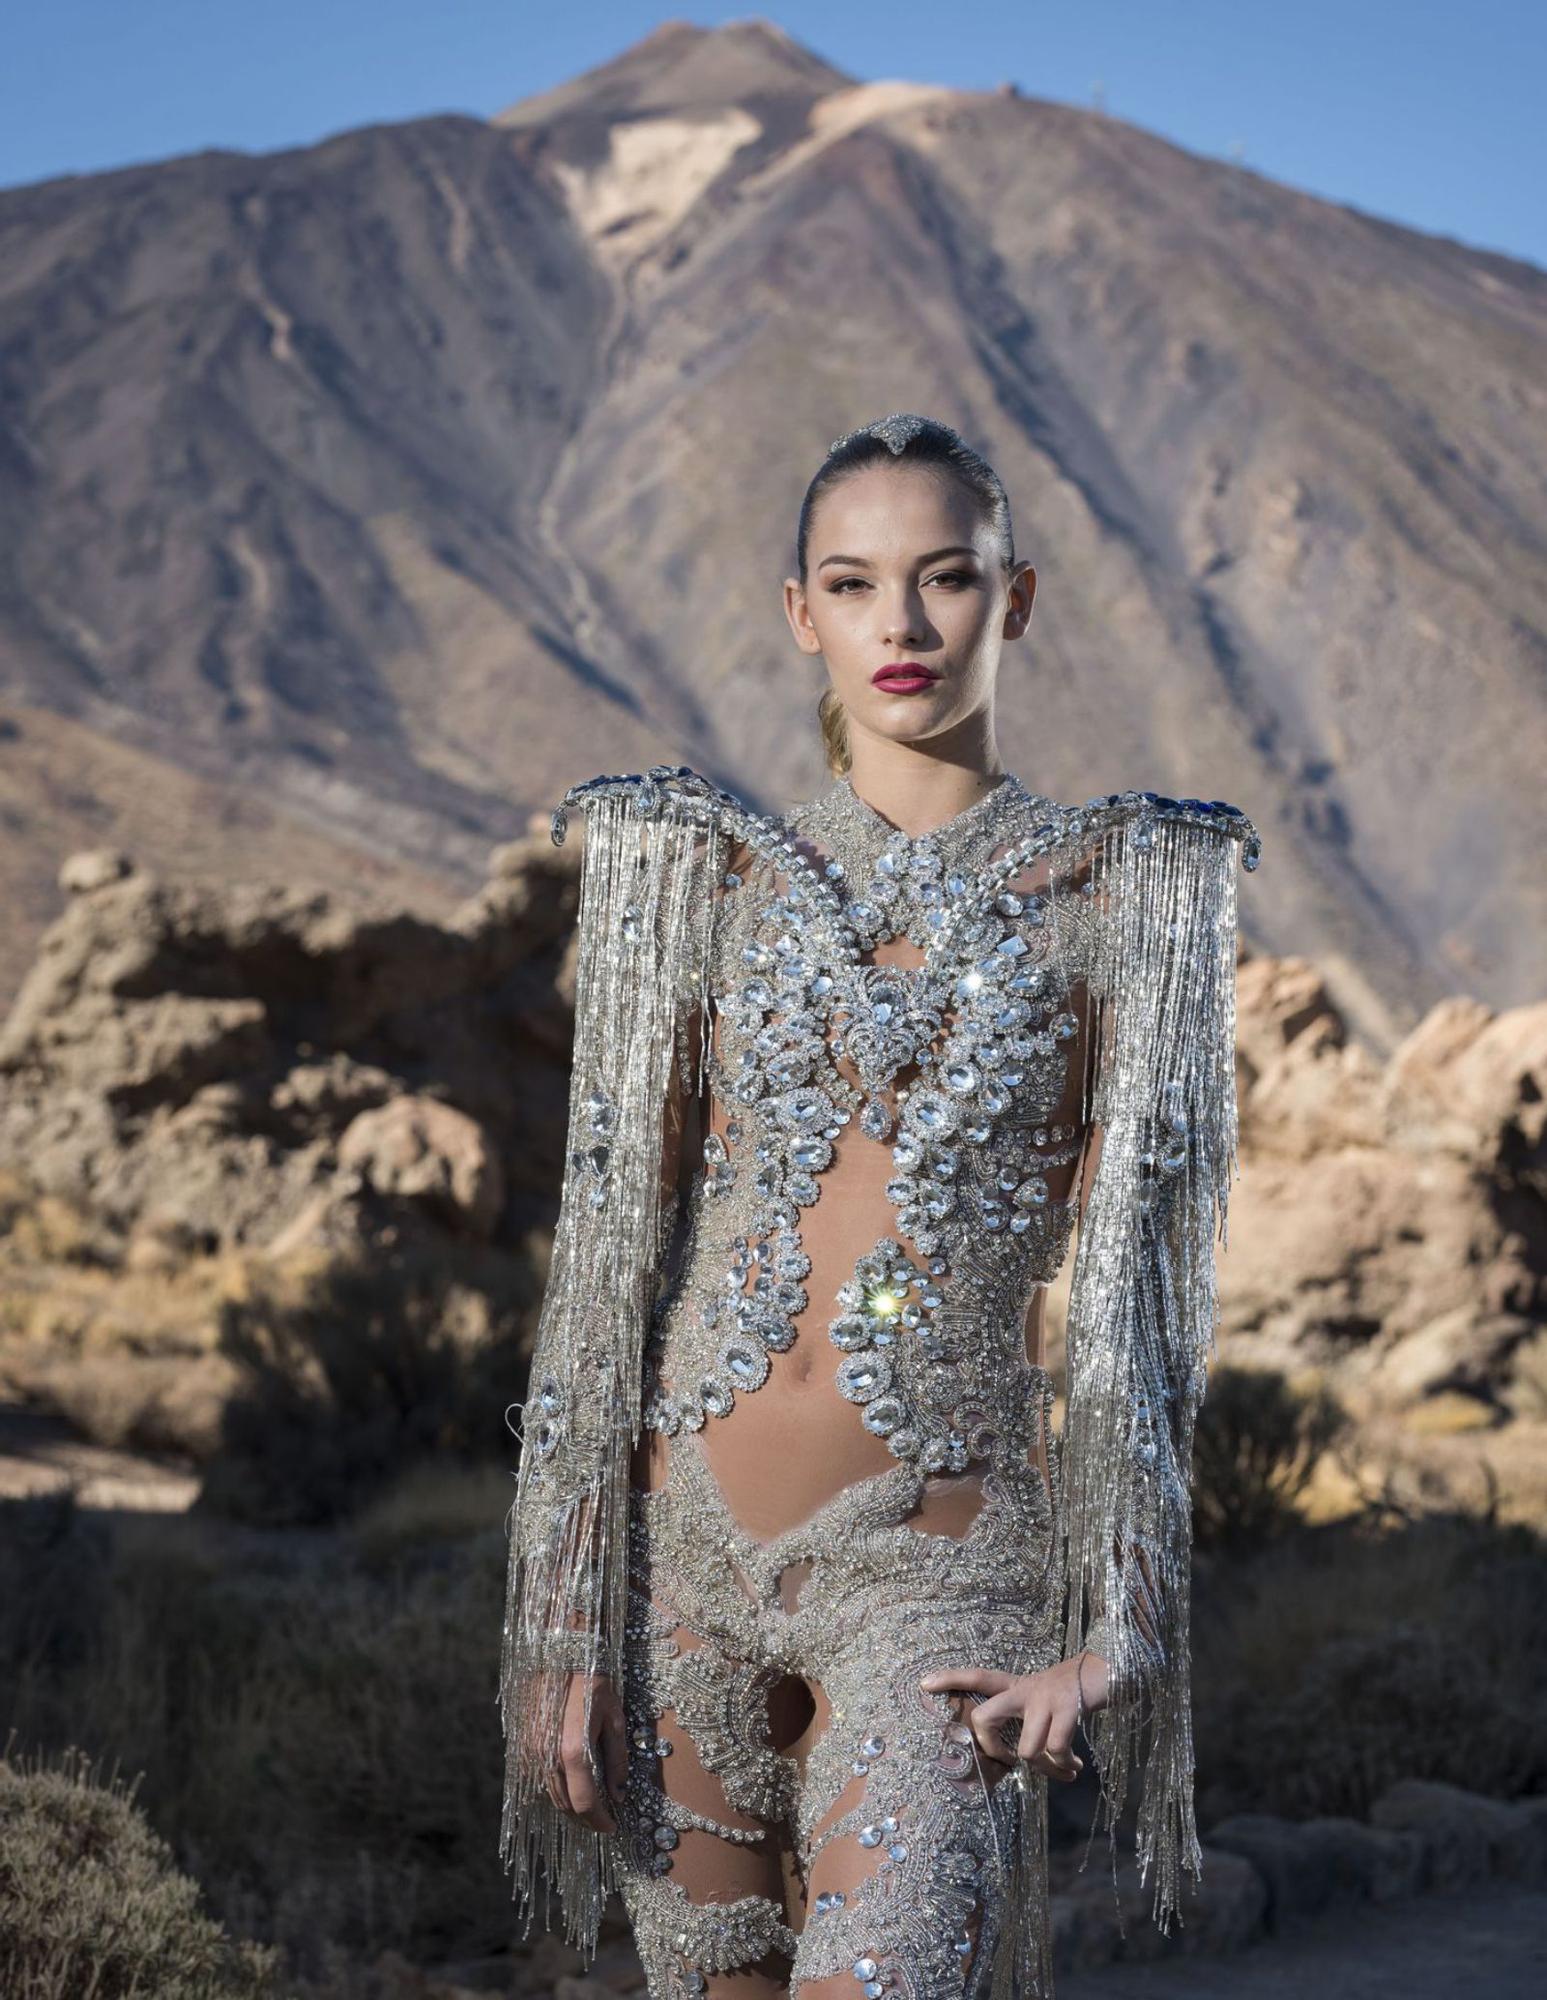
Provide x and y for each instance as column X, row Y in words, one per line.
column 785, row 1451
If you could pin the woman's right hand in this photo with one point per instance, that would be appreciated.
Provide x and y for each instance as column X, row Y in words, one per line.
column 593, row 1762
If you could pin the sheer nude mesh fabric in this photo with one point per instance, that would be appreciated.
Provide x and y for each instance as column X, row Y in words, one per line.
column 896, row 1070
column 780, row 1455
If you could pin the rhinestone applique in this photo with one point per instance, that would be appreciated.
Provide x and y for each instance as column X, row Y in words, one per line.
column 985, row 1024
column 1075, row 971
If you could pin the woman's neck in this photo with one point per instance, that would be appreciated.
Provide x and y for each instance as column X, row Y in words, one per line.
column 918, row 793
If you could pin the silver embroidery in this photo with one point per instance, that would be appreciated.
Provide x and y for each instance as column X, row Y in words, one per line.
column 1059, row 943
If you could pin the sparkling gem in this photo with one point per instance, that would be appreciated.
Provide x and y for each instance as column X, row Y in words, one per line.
column 850, row 1332
column 875, row 1121
column 746, row 1361
column 931, row 1113
column 882, row 1417
column 666, row 1838
column 716, row 1397
column 863, row 1376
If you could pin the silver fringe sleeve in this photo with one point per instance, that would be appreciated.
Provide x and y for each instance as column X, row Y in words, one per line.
column 647, row 886
column 1143, row 1308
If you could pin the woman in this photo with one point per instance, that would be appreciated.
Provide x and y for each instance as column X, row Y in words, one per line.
column 807, row 1602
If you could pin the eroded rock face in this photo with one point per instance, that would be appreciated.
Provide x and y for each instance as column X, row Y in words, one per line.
column 1389, row 1230
column 263, row 1069
column 243, row 1065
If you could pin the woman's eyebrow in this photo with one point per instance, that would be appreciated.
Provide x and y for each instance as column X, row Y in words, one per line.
column 864, row 562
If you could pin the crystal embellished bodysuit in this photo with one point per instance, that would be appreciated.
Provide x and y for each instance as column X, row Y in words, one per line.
column 842, row 1099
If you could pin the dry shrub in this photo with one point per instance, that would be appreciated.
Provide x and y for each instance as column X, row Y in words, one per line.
column 91, row 1901
column 1256, row 1445
column 372, row 1368
column 318, row 1739
column 1353, row 1655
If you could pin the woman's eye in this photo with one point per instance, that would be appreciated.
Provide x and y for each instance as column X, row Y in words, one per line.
column 956, row 577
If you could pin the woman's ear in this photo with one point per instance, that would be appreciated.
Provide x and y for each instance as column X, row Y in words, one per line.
column 798, row 613
column 1022, row 595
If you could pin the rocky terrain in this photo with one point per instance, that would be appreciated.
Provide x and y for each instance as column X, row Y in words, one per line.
column 196, row 1087
column 356, row 499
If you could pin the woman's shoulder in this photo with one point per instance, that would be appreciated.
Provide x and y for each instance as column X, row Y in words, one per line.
column 679, row 793
column 1143, row 813
column 664, row 791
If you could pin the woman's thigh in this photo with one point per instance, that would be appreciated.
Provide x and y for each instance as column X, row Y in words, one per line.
column 703, row 1853
column 906, row 1831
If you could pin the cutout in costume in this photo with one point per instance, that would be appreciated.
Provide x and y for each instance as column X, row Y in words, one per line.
column 889, row 1170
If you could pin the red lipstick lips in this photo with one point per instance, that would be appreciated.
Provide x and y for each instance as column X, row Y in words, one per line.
column 902, row 677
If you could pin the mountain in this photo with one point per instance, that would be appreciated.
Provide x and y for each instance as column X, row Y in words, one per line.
column 356, row 499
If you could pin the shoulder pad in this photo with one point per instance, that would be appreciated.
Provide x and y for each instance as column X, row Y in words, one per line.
column 665, row 791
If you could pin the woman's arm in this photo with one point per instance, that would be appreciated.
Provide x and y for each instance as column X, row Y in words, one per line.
column 647, row 885
column 1143, row 1305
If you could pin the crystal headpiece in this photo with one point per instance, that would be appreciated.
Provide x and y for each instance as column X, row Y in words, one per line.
column 894, row 432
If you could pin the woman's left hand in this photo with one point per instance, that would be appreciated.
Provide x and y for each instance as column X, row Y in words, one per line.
column 1038, row 1709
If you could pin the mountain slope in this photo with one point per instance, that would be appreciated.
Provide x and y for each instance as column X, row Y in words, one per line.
column 405, row 479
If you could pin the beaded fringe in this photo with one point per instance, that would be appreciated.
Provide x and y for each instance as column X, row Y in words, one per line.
column 1143, row 1309
column 646, row 898
column 1022, row 1966
column 1141, row 1327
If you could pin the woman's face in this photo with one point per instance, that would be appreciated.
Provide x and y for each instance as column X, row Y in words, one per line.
column 900, row 567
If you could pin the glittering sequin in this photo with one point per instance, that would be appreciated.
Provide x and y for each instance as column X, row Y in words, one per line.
column 1087, row 947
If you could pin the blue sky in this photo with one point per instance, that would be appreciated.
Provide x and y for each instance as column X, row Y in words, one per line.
column 1429, row 113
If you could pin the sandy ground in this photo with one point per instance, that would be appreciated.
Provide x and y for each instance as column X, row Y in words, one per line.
column 41, row 1454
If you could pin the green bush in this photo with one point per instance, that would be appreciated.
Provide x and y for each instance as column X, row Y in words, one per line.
column 92, row 1905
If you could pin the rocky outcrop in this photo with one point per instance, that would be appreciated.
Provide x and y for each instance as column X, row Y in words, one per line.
column 242, row 1068
column 267, row 1071
column 1390, row 1226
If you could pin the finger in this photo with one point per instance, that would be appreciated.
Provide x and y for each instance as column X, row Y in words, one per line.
column 1033, row 1734
column 997, row 1726
column 970, row 1680
column 989, row 1740
column 614, row 1750
column 1056, row 1757
column 580, row 1781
